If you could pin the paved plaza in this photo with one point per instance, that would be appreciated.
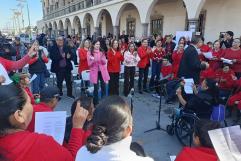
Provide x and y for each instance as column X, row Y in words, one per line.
column 157, row 144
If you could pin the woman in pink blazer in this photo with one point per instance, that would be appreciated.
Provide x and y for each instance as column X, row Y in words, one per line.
column 98, row 70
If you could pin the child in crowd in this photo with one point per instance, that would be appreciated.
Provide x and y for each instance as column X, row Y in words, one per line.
column 23, row 80
column 86, row 103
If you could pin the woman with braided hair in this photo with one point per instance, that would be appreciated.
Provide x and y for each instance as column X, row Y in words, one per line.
column 111, row 135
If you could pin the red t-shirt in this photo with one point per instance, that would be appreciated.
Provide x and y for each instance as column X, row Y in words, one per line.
column 144, row 56
column 197, row 154
column 41, row 107
column 166, row 70
column 229, row 78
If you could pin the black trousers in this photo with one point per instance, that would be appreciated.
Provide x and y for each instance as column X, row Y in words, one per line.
column 114, row 84
column 61, row 76
column 96, row 89
column 143, row 75
column 129, row 76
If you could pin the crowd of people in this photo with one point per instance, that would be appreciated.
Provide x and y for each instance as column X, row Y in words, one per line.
column 101, row 130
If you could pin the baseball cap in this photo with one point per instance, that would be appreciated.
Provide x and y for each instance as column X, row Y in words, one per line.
column 49, row 93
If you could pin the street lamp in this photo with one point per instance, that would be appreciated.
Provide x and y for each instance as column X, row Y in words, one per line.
column 21, row 6
column 25, row 1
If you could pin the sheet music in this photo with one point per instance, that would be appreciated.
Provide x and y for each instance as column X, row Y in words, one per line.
column 188, row 86
column 52, row 124
column 208, row 55
column 227, row 143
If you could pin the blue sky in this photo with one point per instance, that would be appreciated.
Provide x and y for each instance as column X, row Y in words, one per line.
column 35, row 8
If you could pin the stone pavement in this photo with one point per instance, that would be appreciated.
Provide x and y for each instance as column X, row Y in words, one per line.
column 157, row 144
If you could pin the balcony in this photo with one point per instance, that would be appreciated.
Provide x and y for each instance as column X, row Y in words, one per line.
column 72, row 7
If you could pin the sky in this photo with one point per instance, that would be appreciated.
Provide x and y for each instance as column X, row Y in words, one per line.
column 35, row 10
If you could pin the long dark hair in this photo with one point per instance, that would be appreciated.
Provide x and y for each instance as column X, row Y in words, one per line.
column 111, row 117
column 201, row 130
column 11, row 101
column 213, row 90
column 112, row 44
column 92, row 48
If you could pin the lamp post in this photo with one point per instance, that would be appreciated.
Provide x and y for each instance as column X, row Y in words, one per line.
column 29, row 24
column 21, row 6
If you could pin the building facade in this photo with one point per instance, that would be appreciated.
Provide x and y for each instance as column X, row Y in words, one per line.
column 141, row 17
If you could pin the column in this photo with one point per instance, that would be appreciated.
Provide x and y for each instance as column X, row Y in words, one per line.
column 65, row 32
column 73, row 32
column 145, row 29
column 97, row 31
column 116, row 31
column 193, row 25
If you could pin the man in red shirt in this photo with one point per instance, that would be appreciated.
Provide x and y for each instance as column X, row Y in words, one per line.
column 49, row 98
column 144, row 53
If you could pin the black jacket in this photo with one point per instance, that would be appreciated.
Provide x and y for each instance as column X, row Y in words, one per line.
column 202, row 104
column 39, row 66
column 56, row 57
column 190, row 65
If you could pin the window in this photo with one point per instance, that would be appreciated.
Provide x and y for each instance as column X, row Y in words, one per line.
column 201, row 22
column 131, row 26
column 157, row 26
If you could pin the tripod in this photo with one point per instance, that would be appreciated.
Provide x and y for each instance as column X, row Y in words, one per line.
column 158, row 126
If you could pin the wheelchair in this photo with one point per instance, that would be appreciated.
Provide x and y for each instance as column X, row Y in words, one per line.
column 182, row 125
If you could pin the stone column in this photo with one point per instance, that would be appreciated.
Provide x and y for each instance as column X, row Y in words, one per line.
column 73, row 32
column 145, row 29
column 65, row 32
column 193, row 25
column 97, row 31
column 116, row 31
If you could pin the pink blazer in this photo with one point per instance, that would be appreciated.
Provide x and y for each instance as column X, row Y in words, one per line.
column 97, row 63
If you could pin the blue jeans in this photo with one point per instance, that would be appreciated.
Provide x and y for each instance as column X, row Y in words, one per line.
column 155, row 73
column 38, row 83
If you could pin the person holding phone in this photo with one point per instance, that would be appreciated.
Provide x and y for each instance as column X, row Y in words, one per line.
column 37, row 65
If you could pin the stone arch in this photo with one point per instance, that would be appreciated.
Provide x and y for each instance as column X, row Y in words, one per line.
column 76, row 26
column 104, row 22
column 163, row 16
column 67, row 27
column 130, row 22
column 88, row 24
column 61, row 27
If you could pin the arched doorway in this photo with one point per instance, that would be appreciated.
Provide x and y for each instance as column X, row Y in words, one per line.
column 88, row 25
column 129, row 20
column 77, row 26
column 167, row 17
column 104, row 22
column 61, row 28
column 68, row 29
column 55, row 29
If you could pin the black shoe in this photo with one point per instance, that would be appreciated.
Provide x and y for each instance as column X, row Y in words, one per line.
column 140, row 92
column 61, row 93
column 71, row 96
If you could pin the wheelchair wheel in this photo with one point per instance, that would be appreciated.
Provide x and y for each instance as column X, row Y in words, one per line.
column 170, row 130
column 184, row 131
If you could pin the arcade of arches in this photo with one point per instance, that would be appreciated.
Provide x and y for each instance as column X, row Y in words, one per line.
column 147, row 17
